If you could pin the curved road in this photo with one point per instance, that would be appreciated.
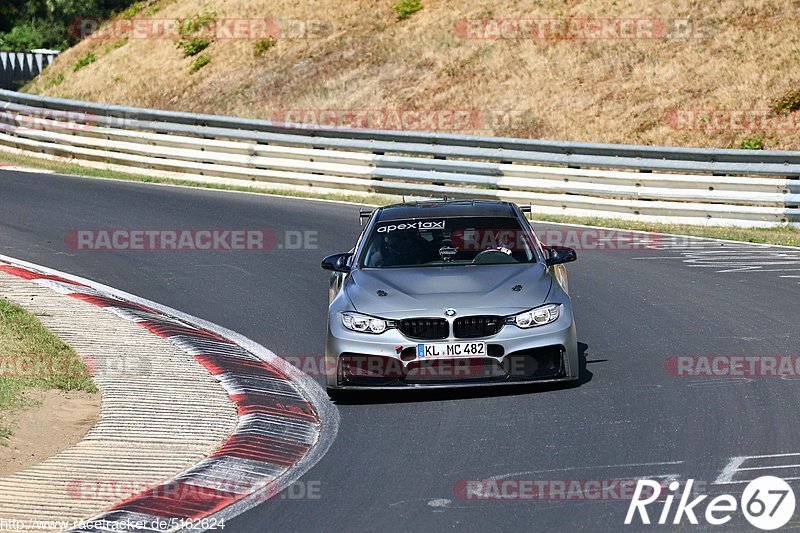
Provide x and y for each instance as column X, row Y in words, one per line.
column 397, row 458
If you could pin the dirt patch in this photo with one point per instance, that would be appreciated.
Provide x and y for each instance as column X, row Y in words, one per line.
column 50, row 421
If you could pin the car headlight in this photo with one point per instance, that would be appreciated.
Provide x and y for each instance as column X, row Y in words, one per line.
column 536, row 317
column 365, row 323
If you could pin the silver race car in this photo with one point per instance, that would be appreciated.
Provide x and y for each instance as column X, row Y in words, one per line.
column 449, row 293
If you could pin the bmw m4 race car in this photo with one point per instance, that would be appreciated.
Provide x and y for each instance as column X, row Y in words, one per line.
column 449, row 293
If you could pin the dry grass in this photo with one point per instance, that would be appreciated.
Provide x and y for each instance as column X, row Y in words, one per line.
column 600, row 90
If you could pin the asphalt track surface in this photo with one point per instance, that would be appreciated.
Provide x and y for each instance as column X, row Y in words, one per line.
column 397, row 458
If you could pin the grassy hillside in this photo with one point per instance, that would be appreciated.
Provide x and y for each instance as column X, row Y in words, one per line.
column 673, row 83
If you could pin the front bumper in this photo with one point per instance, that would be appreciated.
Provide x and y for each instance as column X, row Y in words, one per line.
column 545, row 354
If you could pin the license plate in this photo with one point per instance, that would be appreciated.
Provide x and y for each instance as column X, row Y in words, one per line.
column 456, row 349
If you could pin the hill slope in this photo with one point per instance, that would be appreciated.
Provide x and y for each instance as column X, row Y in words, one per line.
column 628, row 71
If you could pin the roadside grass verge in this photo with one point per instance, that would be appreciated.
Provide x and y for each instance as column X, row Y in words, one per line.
column 77, row 170
column 781, row 235
column 32, row 357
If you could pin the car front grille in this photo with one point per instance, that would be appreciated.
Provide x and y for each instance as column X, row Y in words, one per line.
column 467, row 327
column 424, row 328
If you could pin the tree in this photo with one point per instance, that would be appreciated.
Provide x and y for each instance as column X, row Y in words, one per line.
column 28, row 24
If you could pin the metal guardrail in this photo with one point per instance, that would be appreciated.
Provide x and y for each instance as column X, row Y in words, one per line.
column 689, row 185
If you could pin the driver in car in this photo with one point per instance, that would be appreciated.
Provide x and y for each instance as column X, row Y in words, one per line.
column 402, row 248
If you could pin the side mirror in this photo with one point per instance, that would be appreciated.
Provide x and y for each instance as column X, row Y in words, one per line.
column 558, row 255
column 337, row 262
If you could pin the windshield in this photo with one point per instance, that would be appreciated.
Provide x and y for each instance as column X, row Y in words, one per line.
column 447, row 242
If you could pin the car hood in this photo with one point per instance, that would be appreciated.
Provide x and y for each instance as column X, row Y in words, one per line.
column 428, row 291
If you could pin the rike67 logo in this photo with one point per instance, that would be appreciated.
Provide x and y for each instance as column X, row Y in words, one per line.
column 767, row 503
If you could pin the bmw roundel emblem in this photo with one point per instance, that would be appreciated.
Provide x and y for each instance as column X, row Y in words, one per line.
column 450, row 312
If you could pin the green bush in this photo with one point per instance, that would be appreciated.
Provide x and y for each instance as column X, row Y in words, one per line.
column 193, row 46
column 199, row 62
column 752, row 143
column 147, row 8
column 115, row 45
column 33, row 34
column 190, row 26
column 406, row 8
column 261, row 46
column 28, row 24
column 192, row 41
column 57, row 80
column 787, row 103
column 132, row 10
column 84, row 61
